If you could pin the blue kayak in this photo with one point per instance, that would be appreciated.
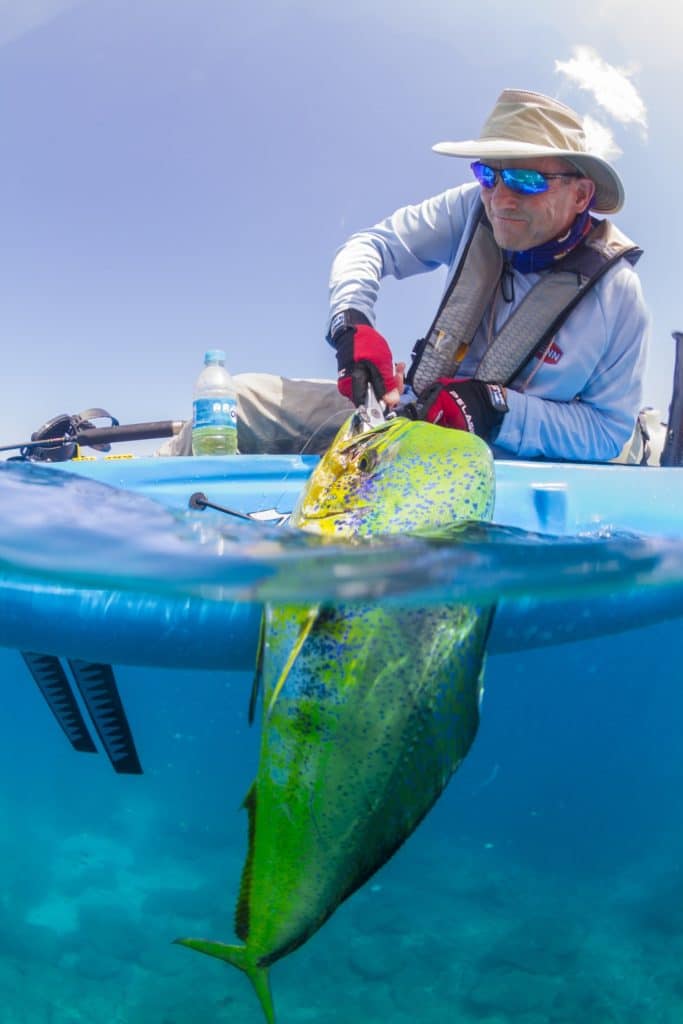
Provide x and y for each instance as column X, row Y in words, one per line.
column 101, row 513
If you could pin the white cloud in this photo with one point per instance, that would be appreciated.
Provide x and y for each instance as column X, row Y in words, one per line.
column 611, row 86
column 599, row 139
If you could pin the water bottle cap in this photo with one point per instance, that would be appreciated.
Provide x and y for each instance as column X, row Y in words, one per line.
column 214, row 355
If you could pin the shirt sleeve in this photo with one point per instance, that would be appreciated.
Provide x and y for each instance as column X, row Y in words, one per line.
column 411, row 241
column 597, row 422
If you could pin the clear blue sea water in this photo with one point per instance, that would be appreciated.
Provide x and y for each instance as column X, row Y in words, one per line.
column 545, row 887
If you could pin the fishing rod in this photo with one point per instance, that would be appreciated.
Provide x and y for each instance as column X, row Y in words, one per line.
column 58, row 439
column 672, row 453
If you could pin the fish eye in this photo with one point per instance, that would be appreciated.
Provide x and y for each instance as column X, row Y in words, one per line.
column 366, row 461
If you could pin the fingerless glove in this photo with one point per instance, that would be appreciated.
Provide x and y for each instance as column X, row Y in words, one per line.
column 363, row 357
column 463, row 404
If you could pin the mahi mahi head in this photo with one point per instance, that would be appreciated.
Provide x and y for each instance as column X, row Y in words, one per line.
column 369, row 708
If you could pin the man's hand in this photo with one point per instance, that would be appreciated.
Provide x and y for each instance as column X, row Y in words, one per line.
column 463, row 404
column 364, row 357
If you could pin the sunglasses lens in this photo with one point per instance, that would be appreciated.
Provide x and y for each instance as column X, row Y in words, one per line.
column 529, row 183
column 485, row 175
column 519, row 179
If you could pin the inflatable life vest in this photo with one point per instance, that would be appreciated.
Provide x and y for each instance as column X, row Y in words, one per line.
column 535, row 321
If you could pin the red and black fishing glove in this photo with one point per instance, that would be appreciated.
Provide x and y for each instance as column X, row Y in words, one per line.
column 363, row 357
column 463, row 404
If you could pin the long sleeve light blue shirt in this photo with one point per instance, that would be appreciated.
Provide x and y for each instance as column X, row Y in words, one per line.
column 581, row 399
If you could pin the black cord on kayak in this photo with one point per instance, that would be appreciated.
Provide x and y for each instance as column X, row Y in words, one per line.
column 200, row 501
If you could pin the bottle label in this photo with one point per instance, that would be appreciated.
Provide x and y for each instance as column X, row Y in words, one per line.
column 214, row 412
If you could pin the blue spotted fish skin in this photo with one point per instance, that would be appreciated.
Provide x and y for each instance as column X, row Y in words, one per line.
column 379, row 705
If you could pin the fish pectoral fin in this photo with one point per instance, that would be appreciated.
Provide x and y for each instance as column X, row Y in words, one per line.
column 306, row 628
column 239, row 957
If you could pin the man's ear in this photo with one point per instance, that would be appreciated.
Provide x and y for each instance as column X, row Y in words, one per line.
column 584, row 193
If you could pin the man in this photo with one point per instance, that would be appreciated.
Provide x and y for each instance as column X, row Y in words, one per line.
column 540, row 340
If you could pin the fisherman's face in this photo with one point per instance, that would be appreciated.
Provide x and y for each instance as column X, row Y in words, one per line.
column 521, row 222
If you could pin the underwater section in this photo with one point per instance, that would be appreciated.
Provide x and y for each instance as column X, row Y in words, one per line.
column 545, row 886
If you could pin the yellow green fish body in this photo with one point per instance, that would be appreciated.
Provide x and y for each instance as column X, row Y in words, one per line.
column 365, row 724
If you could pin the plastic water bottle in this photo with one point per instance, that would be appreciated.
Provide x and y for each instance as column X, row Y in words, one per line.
column 214, row 408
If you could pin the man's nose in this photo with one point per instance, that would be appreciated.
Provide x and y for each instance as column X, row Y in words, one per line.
column 502, row 194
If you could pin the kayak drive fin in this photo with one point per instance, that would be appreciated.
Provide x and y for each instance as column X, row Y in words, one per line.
column 48, row 673
column 100, row 694
column 103, row 701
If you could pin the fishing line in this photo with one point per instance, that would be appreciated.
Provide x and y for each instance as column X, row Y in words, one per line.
column 338, row 412
column 342, row 414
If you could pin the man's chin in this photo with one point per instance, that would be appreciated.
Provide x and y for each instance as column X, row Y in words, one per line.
column 511, row 235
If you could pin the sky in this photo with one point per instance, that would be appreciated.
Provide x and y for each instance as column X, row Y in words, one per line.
column 176, row 175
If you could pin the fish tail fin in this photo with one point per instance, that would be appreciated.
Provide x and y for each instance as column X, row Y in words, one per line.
column 239, row 957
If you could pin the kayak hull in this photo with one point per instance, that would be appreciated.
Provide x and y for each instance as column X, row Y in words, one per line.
column 124, row 627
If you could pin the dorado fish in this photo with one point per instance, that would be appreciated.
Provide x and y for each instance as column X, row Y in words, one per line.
column 368, row 708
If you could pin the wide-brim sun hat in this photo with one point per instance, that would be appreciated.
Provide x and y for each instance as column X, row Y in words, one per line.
column 529, row 124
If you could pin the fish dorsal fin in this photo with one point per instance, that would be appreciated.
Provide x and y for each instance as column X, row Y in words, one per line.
column 258, row 668
column 242, row 915
column 305, row 629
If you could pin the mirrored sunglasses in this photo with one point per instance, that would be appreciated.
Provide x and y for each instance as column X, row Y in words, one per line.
column 518, row 179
